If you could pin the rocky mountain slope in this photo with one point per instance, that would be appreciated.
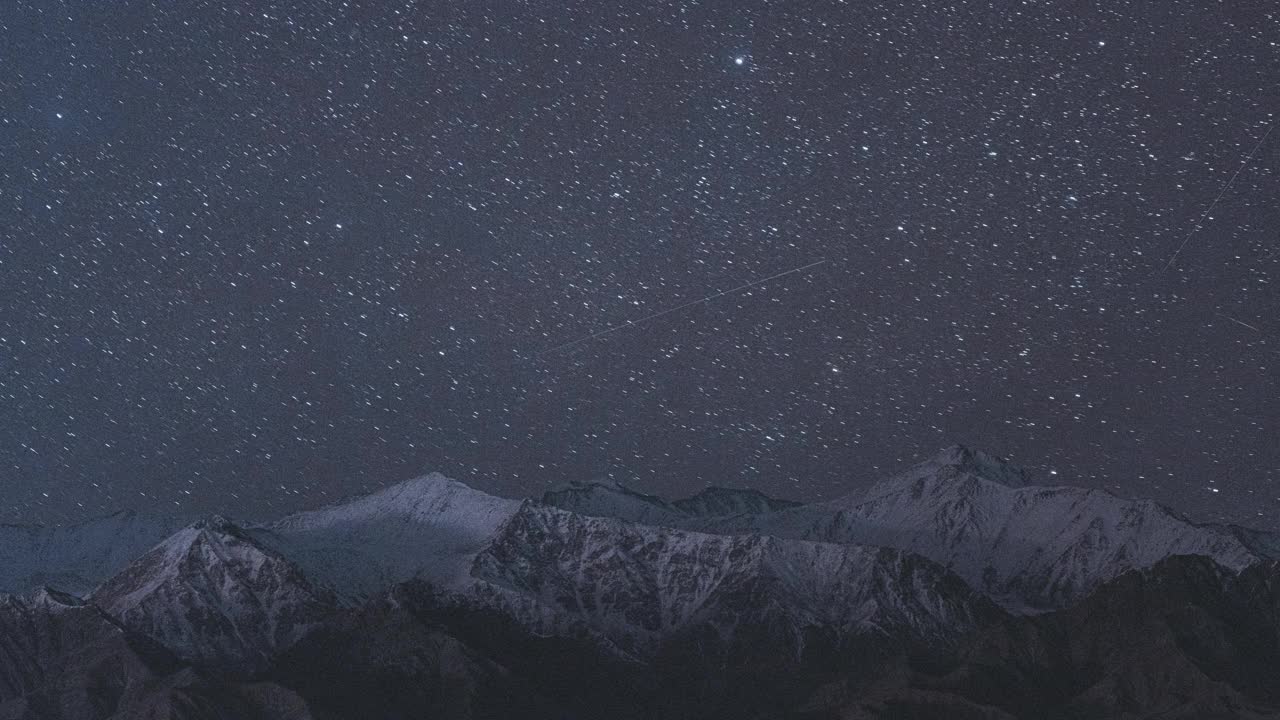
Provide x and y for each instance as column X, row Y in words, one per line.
column 214, row 597
column 1186, row 638
column 1029, row 547
column 64, row 659
column 640, row 586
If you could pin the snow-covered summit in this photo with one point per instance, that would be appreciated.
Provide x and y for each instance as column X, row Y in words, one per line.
column 212, row 595
column 429, row 527
column 953, row 465
column 983, row 464
column 429, row 494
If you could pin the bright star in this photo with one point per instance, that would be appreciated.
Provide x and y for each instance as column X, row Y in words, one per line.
column 739, row 60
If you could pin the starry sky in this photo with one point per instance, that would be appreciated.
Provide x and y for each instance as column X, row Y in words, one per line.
column 257, row 255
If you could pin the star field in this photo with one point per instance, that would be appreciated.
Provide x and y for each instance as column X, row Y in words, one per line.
column 258, row 255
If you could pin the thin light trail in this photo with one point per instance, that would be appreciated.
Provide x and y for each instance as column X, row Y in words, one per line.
column 668, row 311
column 1218, row 199
column 1238, row 322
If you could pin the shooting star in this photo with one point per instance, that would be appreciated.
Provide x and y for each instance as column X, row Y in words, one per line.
column 1238, row 322
column 668, row 311
column 1218, row 199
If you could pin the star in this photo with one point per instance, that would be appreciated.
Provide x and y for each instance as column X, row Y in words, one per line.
column 740, row 60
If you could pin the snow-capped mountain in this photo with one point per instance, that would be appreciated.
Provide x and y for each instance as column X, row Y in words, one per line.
column 1029, row 547
column 641, row 586
column 427, row 527
column 213, row 596
column 647, row 582
column 601, row 601
column 75, row 558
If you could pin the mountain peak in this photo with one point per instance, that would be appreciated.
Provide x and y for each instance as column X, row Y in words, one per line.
column 217, row 524
column 428, row 484
column 605, row 482
column 212, row 594
column 716, row 501
column 606, row 486
column 429, row 526
column 612, row 499
column 955, row 468
column 965, row 460
column 426, row 495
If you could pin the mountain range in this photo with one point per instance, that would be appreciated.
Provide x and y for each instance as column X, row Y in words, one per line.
column 957, row 589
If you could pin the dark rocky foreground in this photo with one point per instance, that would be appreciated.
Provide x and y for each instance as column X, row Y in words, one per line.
column 1186, row 639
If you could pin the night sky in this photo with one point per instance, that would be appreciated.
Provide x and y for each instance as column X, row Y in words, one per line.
column 256, row 255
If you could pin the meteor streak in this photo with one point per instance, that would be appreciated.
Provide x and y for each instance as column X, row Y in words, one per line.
column 1238, row 322
column 1218, row 199
column 668, row 311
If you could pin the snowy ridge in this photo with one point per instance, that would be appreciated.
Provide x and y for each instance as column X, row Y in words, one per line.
column 1031, row 548
column 618, row 501
column 600, row 499
column 213, row 596
column 429, row 527
column 639, row 586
